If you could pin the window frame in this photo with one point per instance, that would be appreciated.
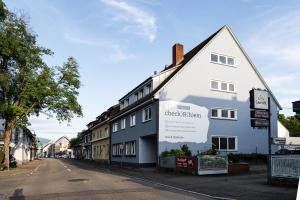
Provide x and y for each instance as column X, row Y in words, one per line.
column 144, row 114
column 131, row 121
column 115, row 127
column 227, row 142
column 123, row 123
column 219, row 89
column 219, row 113
column 226, row 59
column 130, row 148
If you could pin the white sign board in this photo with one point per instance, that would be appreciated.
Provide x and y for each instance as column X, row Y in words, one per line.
column 261, row 99
column 182, row 122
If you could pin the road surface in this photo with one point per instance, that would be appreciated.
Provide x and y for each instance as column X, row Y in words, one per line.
column 56, row 179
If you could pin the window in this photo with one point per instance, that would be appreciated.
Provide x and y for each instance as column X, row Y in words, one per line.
column 223, row 113
column 230, row 61
column 117, row 149
column 115, row 127
column 214, row 112
column 231, row 87
column 214, row 58
column 214, row 85
column 106, row 132
column 147, row 114
column 147, row 89
column 132, row 120
column 224, row 143
column 141, row 93
column 130, row 148
column 222, row 59
column 135, row 96
column 126, row 102
column 123, row 123
column 222, row 86
column 121, row 104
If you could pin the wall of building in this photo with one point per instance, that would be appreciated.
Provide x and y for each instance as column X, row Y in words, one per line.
column 192, row 85
column 100, row 149
column 134, row 133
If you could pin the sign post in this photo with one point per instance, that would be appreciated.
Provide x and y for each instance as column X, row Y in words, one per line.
column 260, row 114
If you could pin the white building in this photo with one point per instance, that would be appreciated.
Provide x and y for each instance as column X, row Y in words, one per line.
column 202, row 100
column 21, row 143
column 284, row 133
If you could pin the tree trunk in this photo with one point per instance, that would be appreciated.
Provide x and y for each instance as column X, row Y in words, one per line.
column 7, row 136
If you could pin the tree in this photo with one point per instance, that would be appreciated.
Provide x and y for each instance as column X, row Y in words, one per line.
column 292, row 123
column 28, row 85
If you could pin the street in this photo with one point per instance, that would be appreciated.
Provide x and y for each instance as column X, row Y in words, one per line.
column 57, row 179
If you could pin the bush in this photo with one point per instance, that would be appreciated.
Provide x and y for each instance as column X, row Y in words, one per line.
column 183, row 151
column 209, row 152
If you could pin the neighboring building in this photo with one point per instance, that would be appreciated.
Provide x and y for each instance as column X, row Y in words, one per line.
column 86, row 142
column 59, row 147
column 201, row 99
column 296, row 107
column 101, row 136
column 284, row 133
column 46, row 150
column 21, row 145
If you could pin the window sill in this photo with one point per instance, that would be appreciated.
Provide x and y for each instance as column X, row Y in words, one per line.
column 130, row 155
column 131, row 126
column 223, row 91
column 224, row 150
column 235, row 119
column 233, row 66
column 116, row 156
column 147, row 120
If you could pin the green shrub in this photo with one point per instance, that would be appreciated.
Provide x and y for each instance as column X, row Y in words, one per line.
column 183, row 151
column 209, row 152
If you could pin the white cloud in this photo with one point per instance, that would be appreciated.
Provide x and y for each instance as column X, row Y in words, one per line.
column 138, row 21
column 278, row 38
column 115, row 51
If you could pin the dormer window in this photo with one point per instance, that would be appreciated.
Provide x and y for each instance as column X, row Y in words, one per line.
column 135, row 96
column 147, row 89
column 141, row 93
column 126, row 102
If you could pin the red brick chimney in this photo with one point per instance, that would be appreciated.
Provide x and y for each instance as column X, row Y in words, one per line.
column 177, row 53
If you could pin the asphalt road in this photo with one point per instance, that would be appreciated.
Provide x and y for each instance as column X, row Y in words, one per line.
column 56, row 179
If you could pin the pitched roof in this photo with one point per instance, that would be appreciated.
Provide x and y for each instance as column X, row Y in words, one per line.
column 186, row 58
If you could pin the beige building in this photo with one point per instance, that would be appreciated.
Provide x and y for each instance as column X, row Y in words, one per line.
column 101, row 137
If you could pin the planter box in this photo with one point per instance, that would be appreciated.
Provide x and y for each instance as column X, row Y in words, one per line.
column 235, row 168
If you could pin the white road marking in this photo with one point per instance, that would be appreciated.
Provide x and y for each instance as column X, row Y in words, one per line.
column 69, row 170
column 176, row 188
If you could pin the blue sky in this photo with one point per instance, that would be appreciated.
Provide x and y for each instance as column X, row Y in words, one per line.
column 119, row 43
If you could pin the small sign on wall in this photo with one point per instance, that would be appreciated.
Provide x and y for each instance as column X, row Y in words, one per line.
column 185, row 162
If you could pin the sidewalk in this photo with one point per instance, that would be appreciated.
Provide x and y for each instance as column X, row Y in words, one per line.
column 25, row 168
column 251, row 185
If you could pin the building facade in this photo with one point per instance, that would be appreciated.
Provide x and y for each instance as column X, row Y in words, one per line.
column 86, row 143
column 21, row 145
column 201, row 99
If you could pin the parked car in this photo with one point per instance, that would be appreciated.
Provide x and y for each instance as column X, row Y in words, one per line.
column 283, row 152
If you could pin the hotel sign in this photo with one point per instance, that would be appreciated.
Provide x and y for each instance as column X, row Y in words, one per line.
column 182, row 122
column 259, row 99
column 262, row 114
column 259, row 108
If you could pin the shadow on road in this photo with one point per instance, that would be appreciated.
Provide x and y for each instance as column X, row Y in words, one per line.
column 18, row 194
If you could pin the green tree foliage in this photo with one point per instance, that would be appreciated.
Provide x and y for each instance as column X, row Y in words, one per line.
column 183, row 151
column 292, row 123
column 75, row 142
column 27, row 84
